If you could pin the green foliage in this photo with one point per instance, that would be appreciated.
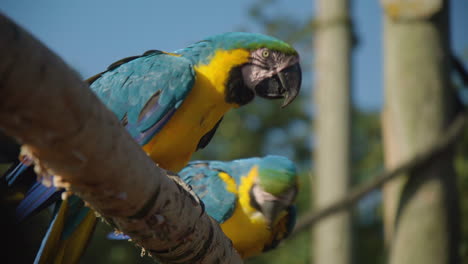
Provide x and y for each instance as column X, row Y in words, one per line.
column 3, row 168
column 367, row 160
column 461, row 166
column 367, row 154
column 290, row 251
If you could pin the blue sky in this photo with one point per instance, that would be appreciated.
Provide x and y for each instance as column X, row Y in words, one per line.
column 90, row 35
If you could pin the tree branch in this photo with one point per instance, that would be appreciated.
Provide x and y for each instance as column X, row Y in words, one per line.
column 70, row 134
column 443, row 143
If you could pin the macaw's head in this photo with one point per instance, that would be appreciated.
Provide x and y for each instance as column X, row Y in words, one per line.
column 268, row 68
column 275, row 188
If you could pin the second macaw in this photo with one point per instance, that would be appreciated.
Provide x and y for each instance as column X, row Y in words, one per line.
column 252, row 199
column 172, row 104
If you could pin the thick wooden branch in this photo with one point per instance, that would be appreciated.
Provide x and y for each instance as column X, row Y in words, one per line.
column 70, row 134
column 446, row 141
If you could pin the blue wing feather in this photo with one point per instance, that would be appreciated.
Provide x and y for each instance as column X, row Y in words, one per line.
column 219, row 203
column 128, row 88
column 37, row 198
column 13, row 175
column 52, row 234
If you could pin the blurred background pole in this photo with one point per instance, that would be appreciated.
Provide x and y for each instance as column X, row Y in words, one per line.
column 420, row 213
column 332, row 50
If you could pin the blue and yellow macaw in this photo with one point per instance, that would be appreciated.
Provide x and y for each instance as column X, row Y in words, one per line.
column 172, row 104
column 252, row 199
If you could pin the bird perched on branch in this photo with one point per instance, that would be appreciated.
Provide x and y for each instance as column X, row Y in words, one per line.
column 251, row 198
column 172, row 104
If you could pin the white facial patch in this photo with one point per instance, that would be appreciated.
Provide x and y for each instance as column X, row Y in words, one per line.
column 261, row 68
column 261, row 196
column 254, row 74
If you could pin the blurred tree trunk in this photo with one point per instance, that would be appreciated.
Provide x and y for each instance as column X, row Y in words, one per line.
column 420, row 213
column 332, row 237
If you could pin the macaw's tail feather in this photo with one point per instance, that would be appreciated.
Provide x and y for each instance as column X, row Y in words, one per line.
column 72, row 224
column 68, row 233
column 36, row 199
column 72, row 248
column 52, row 237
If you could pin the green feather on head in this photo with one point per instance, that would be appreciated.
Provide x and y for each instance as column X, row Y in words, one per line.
column 250, row 41
column 276, row 174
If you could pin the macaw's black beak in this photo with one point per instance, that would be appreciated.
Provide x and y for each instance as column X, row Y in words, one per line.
column 286, row 84
column 271, row 210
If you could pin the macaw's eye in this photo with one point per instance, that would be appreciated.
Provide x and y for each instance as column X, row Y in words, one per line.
column 265, row 53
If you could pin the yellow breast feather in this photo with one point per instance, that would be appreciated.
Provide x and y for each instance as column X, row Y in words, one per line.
column 204, row 106
column 247, row 227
